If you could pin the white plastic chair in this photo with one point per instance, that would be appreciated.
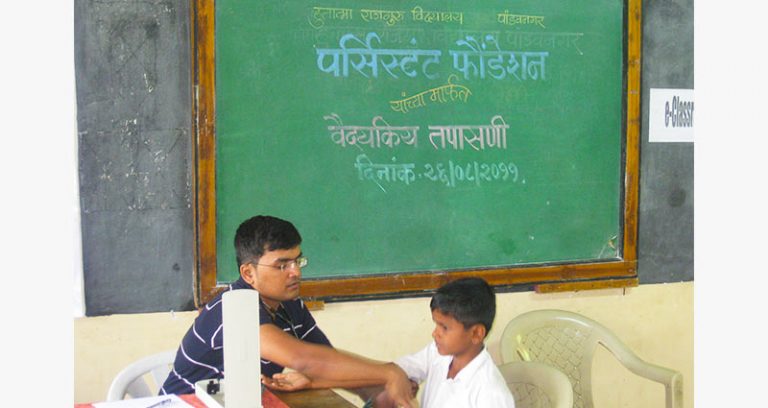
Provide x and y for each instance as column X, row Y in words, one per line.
column 537, row 385
column 568, row 341
column 131, row 381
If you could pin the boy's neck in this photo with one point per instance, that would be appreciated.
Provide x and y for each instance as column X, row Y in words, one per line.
column 462, row 360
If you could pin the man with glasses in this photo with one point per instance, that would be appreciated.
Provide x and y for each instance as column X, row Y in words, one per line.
column 270, row 261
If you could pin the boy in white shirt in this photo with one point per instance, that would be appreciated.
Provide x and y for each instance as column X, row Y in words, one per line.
column 458, row 370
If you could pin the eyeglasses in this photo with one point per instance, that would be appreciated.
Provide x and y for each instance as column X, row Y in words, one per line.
column 295, row 264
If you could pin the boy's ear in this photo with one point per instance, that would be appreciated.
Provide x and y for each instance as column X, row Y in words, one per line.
column 477, row 333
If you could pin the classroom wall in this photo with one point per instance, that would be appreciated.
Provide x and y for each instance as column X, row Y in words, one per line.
column 665, row 222
column 134, row 119
column 134, row 93
column 655, row 321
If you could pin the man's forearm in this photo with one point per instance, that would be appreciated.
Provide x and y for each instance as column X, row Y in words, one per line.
column 350, row 385
column 317, row 361
column 329, row 366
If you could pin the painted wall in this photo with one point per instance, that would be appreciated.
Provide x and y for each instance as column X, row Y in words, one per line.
column 134, row 98
column 655, row 321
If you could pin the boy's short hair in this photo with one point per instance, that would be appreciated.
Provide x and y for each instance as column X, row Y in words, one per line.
column 262, row 233
column 468, row 300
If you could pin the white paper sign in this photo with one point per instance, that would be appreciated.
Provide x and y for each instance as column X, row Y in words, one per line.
column 160, row 401
column 671, row 115
column 242, row 350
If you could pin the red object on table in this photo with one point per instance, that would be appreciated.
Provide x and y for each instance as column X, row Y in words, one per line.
column 268, row 400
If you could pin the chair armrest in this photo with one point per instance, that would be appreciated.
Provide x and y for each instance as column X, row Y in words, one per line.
column 671, row 379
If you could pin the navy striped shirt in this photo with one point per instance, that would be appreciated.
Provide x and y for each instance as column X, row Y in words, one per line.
column 201, row 356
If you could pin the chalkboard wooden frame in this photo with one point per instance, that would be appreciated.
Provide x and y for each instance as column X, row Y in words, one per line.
column 568, row 275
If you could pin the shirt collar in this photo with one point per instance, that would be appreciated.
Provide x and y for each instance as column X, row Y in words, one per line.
column 240, row 283
column 470, row 369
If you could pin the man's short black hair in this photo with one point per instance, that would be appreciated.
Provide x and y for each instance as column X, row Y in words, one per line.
column 262, row 233
column 468, row 300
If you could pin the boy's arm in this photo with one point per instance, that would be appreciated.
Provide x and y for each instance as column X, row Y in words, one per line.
column 416, row 365
column 496, row 398
column 329, row 365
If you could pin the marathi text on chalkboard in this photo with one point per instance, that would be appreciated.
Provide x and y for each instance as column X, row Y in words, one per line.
column 475, row 59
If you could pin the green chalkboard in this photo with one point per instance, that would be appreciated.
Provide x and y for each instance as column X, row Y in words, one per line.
column 415, row 137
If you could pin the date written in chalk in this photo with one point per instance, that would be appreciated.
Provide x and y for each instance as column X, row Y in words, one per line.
column 678, row 113
column 450, row 174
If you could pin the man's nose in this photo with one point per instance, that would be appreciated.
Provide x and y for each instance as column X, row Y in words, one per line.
column 294, row 272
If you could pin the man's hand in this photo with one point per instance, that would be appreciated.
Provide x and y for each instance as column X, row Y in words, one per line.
column 399, row 387
column 288, row 381
column 383, row 400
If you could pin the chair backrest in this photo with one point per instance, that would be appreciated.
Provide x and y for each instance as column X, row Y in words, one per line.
column 537, row 385
column 568, row 341
column 131, row 380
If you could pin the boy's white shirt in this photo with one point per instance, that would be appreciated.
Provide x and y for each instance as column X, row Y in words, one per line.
column 478, row 385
